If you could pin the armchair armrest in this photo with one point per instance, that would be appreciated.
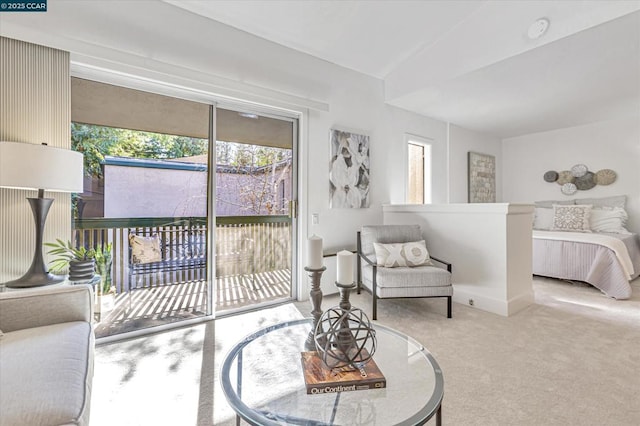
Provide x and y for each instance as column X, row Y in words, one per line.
column 366, row 259
column 44, row 306
column 447, row 264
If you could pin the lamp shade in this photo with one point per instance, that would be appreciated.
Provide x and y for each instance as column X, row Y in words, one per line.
column 33, row 166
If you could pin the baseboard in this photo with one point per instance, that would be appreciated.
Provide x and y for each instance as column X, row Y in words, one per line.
column 466, row 296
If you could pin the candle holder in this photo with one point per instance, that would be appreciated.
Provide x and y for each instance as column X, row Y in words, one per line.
column 315, row 296
column 344, row 336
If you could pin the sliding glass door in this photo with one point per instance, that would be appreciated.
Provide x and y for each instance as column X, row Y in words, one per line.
column 255, row 209
column 171, row 185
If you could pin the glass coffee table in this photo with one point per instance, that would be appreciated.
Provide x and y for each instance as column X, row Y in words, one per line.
column 262, row 380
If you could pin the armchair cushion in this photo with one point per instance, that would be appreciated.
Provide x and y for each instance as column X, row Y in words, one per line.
column 421, row 281
column 402, row 254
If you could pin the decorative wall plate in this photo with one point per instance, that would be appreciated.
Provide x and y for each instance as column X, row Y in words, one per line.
column 579, row 170
column 565, row 176
column 587, row 181
column 568, row 189
column 605, row 177
column 550, row 176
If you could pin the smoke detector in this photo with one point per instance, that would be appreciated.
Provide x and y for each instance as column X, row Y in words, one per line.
column 538, row 28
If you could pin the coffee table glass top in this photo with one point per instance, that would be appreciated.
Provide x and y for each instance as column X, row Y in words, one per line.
column 263, row 382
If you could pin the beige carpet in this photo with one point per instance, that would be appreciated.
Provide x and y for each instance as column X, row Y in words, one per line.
column 570, row 359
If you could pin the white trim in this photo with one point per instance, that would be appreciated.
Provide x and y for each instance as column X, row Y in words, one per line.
column 463, row 293
column 197, row 87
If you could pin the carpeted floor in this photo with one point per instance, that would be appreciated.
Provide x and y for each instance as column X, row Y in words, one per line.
column 570, row 359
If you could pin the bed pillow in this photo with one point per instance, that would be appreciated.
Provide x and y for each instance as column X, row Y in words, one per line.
column 549, row 203
column 571, row 218
column 543, row 218
column 609, row 220
column 602, row 202
column 402, row 254
column 145, row 249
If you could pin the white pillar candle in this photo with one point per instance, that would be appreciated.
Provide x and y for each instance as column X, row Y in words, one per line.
column 345, row 267
column 314, row 252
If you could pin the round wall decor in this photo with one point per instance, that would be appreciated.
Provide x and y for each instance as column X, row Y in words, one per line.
column 579, row 170
column 579, row 178
column 605, row 177
column 569, row 189
column 586, row 181
column 565, row 176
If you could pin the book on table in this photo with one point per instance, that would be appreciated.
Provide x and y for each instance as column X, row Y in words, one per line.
column 319, row 378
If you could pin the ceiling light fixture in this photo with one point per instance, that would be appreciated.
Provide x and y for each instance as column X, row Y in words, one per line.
column 538, row 28
column 247, row 115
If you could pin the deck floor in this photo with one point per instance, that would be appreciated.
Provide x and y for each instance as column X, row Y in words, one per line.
column 149, row 307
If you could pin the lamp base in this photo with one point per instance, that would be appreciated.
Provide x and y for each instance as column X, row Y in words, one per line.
column 34, row 280
column 37, row 275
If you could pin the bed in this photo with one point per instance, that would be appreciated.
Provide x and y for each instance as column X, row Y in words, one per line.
column 597, row 249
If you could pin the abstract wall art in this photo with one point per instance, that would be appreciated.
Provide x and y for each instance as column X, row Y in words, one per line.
column 349, row 170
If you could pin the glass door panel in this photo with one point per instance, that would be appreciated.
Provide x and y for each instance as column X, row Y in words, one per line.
column 144, row 211
column 254, row 190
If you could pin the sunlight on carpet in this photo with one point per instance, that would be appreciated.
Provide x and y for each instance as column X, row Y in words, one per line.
column 171, row 378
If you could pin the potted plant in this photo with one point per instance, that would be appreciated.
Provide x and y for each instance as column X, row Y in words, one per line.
column 80, row 261
column 106, row 291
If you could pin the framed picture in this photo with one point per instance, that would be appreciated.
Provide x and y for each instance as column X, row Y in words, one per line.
column 482, row 178
column 349, row 170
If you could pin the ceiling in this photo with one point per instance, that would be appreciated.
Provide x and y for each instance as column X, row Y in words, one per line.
column 466, row 62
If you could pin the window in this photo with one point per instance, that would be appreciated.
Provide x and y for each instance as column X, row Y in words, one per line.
column 418, row 170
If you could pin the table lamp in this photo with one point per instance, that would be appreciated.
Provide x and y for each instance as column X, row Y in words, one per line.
column 42, row 167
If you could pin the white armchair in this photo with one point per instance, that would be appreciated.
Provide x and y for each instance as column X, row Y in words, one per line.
column 425, row 280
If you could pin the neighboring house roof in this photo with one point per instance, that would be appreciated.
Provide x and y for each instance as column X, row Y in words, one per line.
column 183, row 164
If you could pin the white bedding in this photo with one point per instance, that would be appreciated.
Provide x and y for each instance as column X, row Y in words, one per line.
column 606, row 261
column 608, row 241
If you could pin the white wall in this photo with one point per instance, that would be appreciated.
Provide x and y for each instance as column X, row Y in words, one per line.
column 488, row 245
column 267, row 73
column 611, row 144
column 461, row 141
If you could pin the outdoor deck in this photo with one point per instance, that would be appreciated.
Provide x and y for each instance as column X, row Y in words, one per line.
column 149, row 307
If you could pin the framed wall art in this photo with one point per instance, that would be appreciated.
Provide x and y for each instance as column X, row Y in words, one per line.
column 482, row 178
column 349, row 170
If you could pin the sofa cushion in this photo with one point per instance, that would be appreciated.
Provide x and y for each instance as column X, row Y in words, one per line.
column 46, row 375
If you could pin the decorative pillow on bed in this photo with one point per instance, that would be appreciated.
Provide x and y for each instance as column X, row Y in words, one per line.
column 543, row 218
column 402, row 254
column 571, row 218
column 604, row 202
column 549, row 203
column 609, row 220
column 145, row 249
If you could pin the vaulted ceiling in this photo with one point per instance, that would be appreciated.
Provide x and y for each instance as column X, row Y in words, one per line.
column 467, row 62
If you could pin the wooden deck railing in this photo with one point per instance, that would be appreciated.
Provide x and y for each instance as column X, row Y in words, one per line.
column 245, row 245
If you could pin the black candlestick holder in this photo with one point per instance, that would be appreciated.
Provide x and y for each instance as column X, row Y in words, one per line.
column 315, row 296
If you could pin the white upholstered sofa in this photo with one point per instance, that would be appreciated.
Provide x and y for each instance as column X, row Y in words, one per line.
column 46, row 355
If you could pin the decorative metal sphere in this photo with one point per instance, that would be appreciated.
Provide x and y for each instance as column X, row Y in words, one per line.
column 345, row 338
